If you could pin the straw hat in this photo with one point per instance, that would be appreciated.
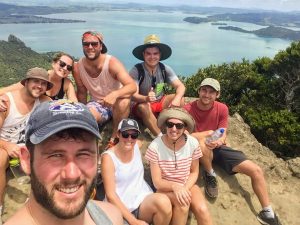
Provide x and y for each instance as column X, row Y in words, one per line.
column 176, row 113
column 152, row 40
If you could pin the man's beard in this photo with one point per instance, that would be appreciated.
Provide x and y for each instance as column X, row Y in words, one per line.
column 47, row 201
column 97, row 55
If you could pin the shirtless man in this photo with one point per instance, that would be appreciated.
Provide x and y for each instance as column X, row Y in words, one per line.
column 105, row 79
column 20, row 104
column 61, row 158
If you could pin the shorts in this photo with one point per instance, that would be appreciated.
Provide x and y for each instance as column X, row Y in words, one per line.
column 227, row 158
column 106, row 113
column 156, row 107
column 135, row 213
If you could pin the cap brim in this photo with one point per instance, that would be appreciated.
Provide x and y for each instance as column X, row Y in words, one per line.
column 129, row 128
column 165, row 51
column 48, row 130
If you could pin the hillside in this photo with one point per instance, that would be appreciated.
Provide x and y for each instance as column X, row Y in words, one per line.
column 236, row 203
column 16, row 59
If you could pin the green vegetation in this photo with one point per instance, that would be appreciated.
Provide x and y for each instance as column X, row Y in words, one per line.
column 16, row 59
column 265, row 93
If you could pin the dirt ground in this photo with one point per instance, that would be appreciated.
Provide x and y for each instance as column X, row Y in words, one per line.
column 237, row 203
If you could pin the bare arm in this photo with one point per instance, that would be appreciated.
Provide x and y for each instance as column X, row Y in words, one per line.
column 119, row 72
column 112, row 212
column 193, row 177
column 13, row 87
column 108, row 176
column 81, row 89
column 70, row 90
column 180, row 90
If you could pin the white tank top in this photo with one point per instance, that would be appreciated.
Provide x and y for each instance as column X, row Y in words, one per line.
column 101, row 85
column 13, row 128
column 129, row 178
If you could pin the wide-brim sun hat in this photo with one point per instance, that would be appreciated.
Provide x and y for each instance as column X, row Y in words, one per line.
column 37, row 73
column 152, row 40
column 99, row 36
column 176, row 113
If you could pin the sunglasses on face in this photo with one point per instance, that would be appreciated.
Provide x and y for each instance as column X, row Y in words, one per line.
column 62, row 64
column 134, row 135
column 177, row 125
column 86, row 44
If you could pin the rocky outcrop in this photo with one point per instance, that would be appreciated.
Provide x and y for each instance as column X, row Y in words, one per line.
column 237, row 203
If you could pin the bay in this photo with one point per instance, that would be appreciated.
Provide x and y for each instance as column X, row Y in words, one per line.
column 194, row 45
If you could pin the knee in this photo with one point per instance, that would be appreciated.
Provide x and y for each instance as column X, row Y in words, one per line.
column 163, row 204
column 200, row 209
column 143, row 108
column 257, row 172
column 123, row 103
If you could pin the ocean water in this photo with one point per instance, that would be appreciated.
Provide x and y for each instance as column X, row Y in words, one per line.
column 193, row 46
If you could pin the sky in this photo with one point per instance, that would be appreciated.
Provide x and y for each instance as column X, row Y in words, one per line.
column 281, row 5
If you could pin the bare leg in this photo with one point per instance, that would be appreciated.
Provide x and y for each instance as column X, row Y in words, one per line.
column 168, row 99
column 120, row 111
column 156, row 208
column 179, row 212
column 145, row 113
column 199, row 207
column 3, row 167
column 257, row 180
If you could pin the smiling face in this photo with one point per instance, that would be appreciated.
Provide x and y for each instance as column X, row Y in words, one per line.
column 207, row 96
column 127, row 139
column 151, row 56
column 63, row 173
column 35, row 87
column 92, row 47
column 62, row 66
column 174, row 128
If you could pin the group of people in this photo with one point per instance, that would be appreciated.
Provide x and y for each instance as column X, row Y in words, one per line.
column 57, row 141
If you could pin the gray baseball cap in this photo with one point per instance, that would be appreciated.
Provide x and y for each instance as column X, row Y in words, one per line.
column 211, row 82
column 48, row 118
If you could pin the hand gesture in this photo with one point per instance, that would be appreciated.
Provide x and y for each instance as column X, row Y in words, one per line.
column 152, row 95
column 183, row 195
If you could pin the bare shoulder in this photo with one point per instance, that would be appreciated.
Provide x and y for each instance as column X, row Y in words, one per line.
column 44, row 98
column 21, row 217
column 111, row 211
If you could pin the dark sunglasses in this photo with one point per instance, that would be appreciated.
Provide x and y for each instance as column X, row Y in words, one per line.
column 94, row 44
column 62, row 64
column 177, row 125
column 134, row 135
column 153, row 82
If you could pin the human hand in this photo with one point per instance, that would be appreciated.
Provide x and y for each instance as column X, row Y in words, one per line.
column 151, row 95
column 183, row 195
column 175, row 103
column 3, row 104
column 13, row 150
column 109, row 100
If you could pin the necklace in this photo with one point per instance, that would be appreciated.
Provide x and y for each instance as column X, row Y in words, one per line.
column 31, row 215
column 174, row 149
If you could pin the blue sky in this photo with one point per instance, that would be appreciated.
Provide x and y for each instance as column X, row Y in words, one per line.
column 282, row 5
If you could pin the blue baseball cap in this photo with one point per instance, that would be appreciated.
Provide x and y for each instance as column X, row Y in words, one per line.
column 49, row 118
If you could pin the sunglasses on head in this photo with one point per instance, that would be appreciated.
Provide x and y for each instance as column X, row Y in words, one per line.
column 134, row 135
column 62, row 64
column 87, row 44
column 177, row 125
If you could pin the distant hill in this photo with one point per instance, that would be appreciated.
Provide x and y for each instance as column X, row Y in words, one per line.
column 271, row 31
column 16, row 59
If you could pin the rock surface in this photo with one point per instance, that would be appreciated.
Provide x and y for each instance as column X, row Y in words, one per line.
column 237, row 203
